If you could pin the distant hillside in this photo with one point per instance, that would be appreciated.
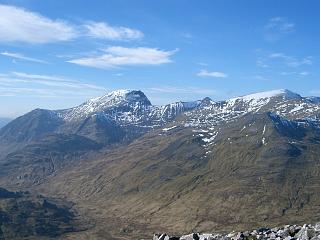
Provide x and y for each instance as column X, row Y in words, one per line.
column 24, row 216
column 4, row 121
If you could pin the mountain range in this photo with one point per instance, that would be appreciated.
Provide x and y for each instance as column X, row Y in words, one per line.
column 4, row 121
column 134, row 168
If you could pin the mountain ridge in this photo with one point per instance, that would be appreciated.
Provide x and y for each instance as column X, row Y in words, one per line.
column 179, row 167
column 121, row 116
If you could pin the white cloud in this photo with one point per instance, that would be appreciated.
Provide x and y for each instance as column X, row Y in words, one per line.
column 261, row 63
column 54, row 81
column 42, row 77
column 187, row 35
column 20, row 25
column 291, row 61
column 16, row 83
column 105, row 31
column 206, row 73
column 280, row 24
column 315, row 92
column 22, row 57
column 182, row 90
column 120, row 56
column 118, row 74
column 203, row 64
column 43, row 92
column 260, row 78
column 304, row 73
column 278, row 27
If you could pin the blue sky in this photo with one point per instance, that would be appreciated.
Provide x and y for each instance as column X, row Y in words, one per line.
column 56, row 54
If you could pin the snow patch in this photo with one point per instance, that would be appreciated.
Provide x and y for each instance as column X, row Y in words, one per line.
column 169, row 128
column 297, row 108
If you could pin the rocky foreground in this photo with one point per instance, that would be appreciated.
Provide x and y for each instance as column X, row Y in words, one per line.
column 288, row 232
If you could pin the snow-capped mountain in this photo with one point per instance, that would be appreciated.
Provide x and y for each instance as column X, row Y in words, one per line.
column 206, row 120
column 127, row 107
column 125, row 114
column 112, row 103
column 314, row 99
column 282, row 102
column 117, row 116
column 259, row 151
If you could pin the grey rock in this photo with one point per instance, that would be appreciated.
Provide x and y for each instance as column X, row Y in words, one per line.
column 193, row 236
column 288, row 238
column 210, row 237
column 317, row 237
column 317, row 227
column 305, row 233
column 288, row 232
column 272, row 235
column 239, row 236
column 163, row 236
column 293, row 230
column 282, row 233
column 155, row 237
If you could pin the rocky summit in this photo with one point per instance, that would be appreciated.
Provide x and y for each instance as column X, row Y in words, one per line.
column 288, row 232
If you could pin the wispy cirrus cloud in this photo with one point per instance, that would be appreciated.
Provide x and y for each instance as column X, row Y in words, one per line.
column 315, row 92
column 260, row 78
column 103, row 30
column 277, row 27
column 262, row 63
column 39, row 92
column 117, row 56
column 213, row 74
column 56, row 81
column 304, row 73
column 291, row 61
column 22, row 57
column 46, row 86
column 182, row 90
column 284, row 64
column 20, row 25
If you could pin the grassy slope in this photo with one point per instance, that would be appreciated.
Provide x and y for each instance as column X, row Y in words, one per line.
column 166, row 183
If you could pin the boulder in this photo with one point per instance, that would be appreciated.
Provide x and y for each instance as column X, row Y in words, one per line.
column 305, row 233
column 239, row 236
column 272, row 235
column 317, row 227
column 209, row 237
column 193, row 236
column 283, row 233
column 288, row 232
column 163, row 236
column 288, row 238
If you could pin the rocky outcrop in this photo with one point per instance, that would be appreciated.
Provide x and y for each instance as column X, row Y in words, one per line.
column 28, row 216
column 288, row 232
